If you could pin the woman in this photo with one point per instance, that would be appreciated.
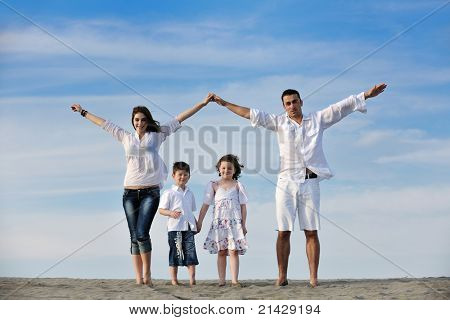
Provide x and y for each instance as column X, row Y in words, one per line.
column 145, row 175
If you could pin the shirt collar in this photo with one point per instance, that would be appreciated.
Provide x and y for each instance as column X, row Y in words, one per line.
column 137, row 136
column 305, row 117
column 177, row 188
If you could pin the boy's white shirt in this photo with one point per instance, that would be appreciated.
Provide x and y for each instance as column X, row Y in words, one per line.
column 177, row 199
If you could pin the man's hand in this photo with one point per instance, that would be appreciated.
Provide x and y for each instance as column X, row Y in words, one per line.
column 219, row 100
column 376, row 90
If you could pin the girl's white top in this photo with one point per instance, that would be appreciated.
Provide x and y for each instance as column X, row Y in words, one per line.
column 237, row 194
column 144, row 165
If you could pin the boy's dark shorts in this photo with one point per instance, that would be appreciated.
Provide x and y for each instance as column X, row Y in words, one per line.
column 187, row 256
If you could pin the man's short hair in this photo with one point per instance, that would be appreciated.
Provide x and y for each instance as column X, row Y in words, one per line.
column 289, row 92
column 180, row 165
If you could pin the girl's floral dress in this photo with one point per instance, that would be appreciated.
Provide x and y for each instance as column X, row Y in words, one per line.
column 226, row 228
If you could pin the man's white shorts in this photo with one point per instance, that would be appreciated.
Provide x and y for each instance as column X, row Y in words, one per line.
column 302, row 199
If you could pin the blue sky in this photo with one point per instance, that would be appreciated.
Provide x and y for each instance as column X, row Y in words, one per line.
column 61, row 176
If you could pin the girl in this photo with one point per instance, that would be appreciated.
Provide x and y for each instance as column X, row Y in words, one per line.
column 146, row 172
column 227, row 233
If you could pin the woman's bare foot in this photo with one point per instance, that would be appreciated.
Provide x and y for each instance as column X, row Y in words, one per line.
column 313, row 283
column 148, row 282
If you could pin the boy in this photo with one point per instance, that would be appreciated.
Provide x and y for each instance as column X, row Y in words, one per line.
column 178, row 203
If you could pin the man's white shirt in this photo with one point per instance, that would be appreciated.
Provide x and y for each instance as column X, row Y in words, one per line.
column 301, row 145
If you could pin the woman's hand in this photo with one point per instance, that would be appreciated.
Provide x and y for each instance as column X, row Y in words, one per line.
column 76, row 107
column 208, row 98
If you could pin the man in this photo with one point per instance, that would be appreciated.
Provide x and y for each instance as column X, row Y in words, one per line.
column 302, row 166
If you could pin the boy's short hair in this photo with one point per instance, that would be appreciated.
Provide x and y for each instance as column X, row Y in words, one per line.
column 180, row 165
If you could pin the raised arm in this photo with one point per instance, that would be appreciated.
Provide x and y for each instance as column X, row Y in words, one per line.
column 335, row 112
column 240, row 111
column 190, row 112
column 93, row 118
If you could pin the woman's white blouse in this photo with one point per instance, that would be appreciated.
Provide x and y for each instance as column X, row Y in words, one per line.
column 144, row 165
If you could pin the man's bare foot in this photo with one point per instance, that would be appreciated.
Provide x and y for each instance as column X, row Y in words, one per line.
column 281, row 283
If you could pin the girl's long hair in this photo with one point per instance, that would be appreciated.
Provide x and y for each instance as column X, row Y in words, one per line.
column 234, row 160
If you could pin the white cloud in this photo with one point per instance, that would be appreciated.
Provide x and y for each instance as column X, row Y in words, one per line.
column 410, row 146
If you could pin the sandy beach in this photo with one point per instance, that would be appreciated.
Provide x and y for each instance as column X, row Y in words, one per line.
column 105, row 289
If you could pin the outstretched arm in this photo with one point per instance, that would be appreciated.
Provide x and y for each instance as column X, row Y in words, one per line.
column 190, row 112
column 93, row 118
column 240, row 111
column 341, row 109
column 376, row 90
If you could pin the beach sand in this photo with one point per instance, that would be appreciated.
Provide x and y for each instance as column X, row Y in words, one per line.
column 101, row 289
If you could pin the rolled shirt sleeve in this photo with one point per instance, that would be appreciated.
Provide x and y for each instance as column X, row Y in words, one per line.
column 170, row 127
column 335, row 112
column 260, row 118
column 116, row 131
column 164, row 202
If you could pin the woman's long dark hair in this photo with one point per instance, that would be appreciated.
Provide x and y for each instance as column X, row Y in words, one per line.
column 152, row 125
